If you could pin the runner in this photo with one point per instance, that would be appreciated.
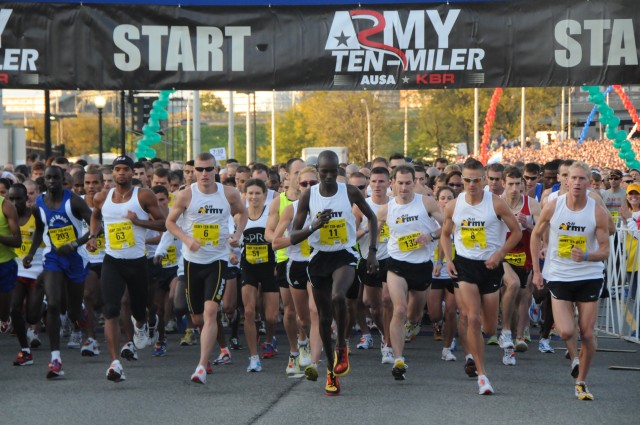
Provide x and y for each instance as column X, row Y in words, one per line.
column 576, row 229
column 10, row 239
column 478, row 219
column 414, row 224
column 206, row 206
column 59, row 219
column 332, row 265
column 127, row 213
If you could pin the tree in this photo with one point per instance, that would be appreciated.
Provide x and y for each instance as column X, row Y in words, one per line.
column 210, row 103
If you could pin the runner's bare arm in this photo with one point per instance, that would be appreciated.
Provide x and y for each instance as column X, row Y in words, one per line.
column 272, row 220
column 279, row 239
column 149, row 203
column 10, row 212
column 239, row 211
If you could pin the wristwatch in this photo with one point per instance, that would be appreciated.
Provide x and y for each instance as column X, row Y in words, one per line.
column 434, row 236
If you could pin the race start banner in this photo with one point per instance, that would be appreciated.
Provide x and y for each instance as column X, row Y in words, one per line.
column 323, row 47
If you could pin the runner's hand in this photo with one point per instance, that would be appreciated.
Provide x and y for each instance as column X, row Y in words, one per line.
column 436, row 269
column 451, row 269
column 372, row 263
column 234, row 242
column 494, row 261
column 537, row 281
column 157, row 260
column 26, row 261
column 193, row 244
column 91, row 245
column 577, row 255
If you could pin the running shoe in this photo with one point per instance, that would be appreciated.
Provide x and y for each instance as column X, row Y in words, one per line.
column 55, row 369
column 65, row 326
column 454, row 345
column 437, row 332
column 235, row 344
column 189, row 338
column 75, row 340
column 268, row 352
column 544, row 346
column 153, row 332
column 305, row 355
column 493, row 340
column 484, row 386
column 115, row 373
column 341, row 361
column 171, row 326
column 509, row 357
column 223, row 358
column 274, row 343
column 293, row 367
column 399, row 369
column 387, row 355
column 160, row 349
column 470, row 368
column 332, row 387
column 140, row 335
column 575, row 367
column 200, row 375
column 366, row 342
column 254, row 364
column 129, row 351
column 521, row 345
column 582, row 392
column 23, row 359
column 526, row 334
column 505, row 341
column 209, row 368
column 534, row 311
column 447, row 355
column 262, row 329
column 33, row 339
column 90, row 348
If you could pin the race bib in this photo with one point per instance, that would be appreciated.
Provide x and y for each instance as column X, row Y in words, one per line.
column 614, row 214
column 62, row 236
column 100, row 244
column 408, row 242
column 305, row 248
column 334, row 232
column 171, row 257
column 474, row 237
column 24, row 249
column 567, row 243
column 516, row 259
column 384, row 234
column 207, row 234
column 121, row 235
column 257, row 253
column 437, row 251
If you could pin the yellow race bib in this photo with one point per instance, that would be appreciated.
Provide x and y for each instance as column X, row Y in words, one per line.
column 62, row 236
column 567, row 243
column 437, row 251
column 171, row 257
column 100, row 244
column 516, row 259
column 305, row 248
column 257, row 253
column 474, row 237
column 121, row 235
column 384, row 233
column 207, row 234
column 408, row 242
column 334, row 232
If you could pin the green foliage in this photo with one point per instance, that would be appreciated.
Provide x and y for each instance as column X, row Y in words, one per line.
column 210, row 103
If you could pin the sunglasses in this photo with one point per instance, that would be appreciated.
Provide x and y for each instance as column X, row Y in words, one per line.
column 531, row 178
column 362, row 187
column 472, row 180
column 614, row 178
column 455, row 184
column 627, row 181
column 202, row 169
column 308, row 183
column 495, row 179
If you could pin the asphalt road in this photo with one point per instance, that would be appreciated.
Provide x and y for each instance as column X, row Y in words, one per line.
column 539, row 390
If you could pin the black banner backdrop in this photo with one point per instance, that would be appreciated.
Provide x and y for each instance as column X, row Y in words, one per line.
column 399, row 46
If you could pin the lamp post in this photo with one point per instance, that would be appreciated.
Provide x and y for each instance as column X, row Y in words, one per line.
column 100, row 102
column 366, row 106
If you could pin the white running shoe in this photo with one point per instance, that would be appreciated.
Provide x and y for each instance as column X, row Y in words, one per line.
column 305, row 355
column 544, row 346
column 200, row 375
column 129, row 351
column 447, row 355
column 387, row 356
column 75, row 339
column 484, row 386
column 90, row 348
column 366, row 342
column 140, row 335
column 254, row 364
column 115, row 373
column 505, row 341
column 293, row 367
column 509, row 357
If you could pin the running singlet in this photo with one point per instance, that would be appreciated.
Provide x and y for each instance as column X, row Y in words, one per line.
column 60, row 226
column 340, row 232
column 406, row 223
column 6, row 253
column 569, row 229
column 281, row 254
column 479, row 232
column 123, row 239
column 383, row 240
column 301, row 251
column 520, row 255
column 27, row 230
column 97, row 256
column 207, row 220
column 256, row 249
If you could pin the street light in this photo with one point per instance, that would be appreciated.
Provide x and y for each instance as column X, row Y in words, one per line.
column 100, row 102
column 366, row 106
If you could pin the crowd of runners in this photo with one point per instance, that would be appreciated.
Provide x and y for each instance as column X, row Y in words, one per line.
column 142, row 249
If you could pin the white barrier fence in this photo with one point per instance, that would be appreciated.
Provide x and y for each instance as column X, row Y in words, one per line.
column 619, row 314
